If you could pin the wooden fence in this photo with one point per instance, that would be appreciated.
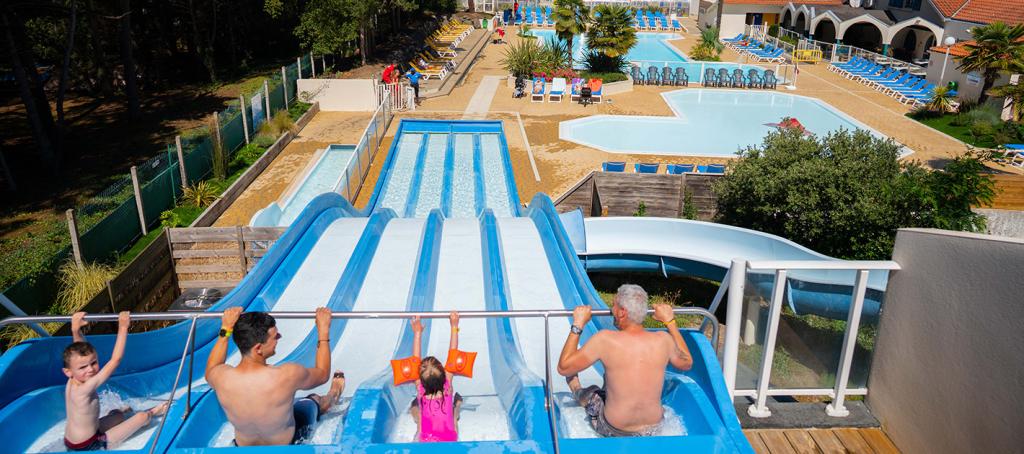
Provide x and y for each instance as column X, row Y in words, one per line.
column 620, row 194
column 217, row 257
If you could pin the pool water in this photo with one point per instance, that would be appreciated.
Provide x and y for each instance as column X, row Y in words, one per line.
column 321, row 179
column 715, row 123
column 650, row 47
column 53, row 439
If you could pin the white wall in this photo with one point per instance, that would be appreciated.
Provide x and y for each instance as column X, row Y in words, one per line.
column 949, row 358
column 969, row 88
column 340, row 95
column 734, row 17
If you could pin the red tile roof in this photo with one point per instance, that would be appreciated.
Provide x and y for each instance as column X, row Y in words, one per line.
column 957, row 50
column 982, row 11
column 784, row 2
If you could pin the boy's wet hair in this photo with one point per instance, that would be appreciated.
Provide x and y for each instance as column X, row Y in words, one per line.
column 77, row 349
column 432, row 376
column 252, row 328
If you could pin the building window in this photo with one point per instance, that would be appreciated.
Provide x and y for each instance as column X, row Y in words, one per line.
column 905, row 4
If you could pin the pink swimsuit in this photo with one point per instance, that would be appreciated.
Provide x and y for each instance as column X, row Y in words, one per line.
column 437, row 416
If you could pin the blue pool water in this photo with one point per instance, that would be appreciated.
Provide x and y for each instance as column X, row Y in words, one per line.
column 707, row 123
column 321, row 179
column 649, row 47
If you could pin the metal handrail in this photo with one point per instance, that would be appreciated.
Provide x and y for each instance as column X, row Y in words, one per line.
column 371, row 315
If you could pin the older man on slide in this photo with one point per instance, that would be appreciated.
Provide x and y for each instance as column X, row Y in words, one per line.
column 634, row 360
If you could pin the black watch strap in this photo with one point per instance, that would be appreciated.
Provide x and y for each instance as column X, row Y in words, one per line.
column 575, row 329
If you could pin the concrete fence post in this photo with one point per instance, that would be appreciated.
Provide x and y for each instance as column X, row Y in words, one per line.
column 245, row 121
column 266, row 99
column 181, row 162
column 323, row 64
column 298, row 66
column 216, row 131
column 284, row 86
column 76, row 247
column 312, row 66
column 138, row 200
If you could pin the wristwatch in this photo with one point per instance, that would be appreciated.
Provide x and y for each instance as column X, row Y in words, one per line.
column 225, row 332
column 575, row 329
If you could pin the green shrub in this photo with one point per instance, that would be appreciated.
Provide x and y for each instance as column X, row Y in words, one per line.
column 605, row 77
column 263, row 140
column 641, row 209
column 78, row 285
column 280, row 123
column 297, row 109
column 246, row 156
column 689, row 209
column 773, row 30
column 598, row 62
column 181, row 216
column 200, row 194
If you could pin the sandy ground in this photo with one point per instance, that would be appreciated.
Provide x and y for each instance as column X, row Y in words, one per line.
column 560, row 164
column 326, row 128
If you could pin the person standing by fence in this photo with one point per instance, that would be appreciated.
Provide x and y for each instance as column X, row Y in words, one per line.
column 388, row 76
column 414, row 82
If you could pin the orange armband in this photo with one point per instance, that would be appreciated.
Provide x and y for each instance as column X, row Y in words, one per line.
column 460, row 362
column 405, row 369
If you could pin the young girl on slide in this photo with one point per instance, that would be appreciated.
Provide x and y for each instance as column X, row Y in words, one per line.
column 436, row 407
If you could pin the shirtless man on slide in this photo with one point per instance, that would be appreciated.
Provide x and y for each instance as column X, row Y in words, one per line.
column 259, row 399
column 85, row 429
column 634, row 362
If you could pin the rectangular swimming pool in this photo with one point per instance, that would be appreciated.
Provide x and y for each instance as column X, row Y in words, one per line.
column 650, row 47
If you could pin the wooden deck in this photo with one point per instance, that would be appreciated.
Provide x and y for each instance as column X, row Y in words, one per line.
column 827, row 441
column 1009, row 192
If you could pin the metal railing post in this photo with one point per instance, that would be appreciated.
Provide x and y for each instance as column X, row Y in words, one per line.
column 14, row 309
column 191, row 363
column 549, row 400
column 734, row 311
column 177, row 377
column 836, row 408
column 760, row 408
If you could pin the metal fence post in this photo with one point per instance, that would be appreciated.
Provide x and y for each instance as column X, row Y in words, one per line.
column 266, row 98
column 138, row 200
column 76, row 248
column 245, row 122
column 284, row 87
column 181, row 162
column 734, row 309
column 836, row 408
column 760, row 408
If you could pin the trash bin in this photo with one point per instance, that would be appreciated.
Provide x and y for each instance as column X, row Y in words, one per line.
column 197, row 299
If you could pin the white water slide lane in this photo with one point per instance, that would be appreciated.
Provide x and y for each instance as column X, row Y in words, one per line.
column 460, row 286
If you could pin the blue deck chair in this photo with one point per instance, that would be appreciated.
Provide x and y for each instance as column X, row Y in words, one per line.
column 713, row 168
column 646, row 168
column 638, row 77
column 613, row 166
column 710, row 79
column 678, row 169
column 652, row 75
column 667, row 76
column 681, row 77
column 754, row 79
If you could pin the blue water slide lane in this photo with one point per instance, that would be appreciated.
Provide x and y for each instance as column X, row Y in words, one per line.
column 478, row 176
column 417, row 179
column 682, row 389
column 510, row 177
column 151, row 359
column 449, row 171
column 377, row 404
column 208, row 417
column 521, row 392
column 382, row 179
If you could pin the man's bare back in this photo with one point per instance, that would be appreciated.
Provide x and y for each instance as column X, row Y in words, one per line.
column 259, row 399
column 634, row 361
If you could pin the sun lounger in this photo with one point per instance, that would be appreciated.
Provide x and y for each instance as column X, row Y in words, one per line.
column 438, row 72
column 574, row 92
column 613, row 166
column 557, row 89
column 712, row 168
column 596, row 87
column 678, row 169
column 739, row 37
column 1015, row 153
column 537, row 92
column 646, row 168
column 676, row 26
column 775, row 56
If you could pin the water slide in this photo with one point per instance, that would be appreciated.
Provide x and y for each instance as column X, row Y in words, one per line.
column 704, row 249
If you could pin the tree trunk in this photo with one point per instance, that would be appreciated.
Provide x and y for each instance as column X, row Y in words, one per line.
column 130, row 84
column 37, row 107
column 203, row 47
column 362, row 43
column 99, row 63
column 989, row 81
column 65, row 68
column 472, row 6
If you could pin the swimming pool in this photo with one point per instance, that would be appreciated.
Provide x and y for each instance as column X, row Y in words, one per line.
column 329, row 170
column 650, row 47
column 715, row 123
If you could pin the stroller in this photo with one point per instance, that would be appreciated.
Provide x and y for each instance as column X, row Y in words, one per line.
column 520, row 90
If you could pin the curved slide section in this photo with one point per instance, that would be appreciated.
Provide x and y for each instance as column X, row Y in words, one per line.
column 34, row 420
column 704, row 249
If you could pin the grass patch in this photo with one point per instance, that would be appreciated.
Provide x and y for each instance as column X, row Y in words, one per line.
column 944, row 123
column 675, row 291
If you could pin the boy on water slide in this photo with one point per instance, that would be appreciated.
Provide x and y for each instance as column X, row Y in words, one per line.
column 85, row 429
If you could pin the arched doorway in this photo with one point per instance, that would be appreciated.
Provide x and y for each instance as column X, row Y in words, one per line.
column 912, row 42
column 864, row 35
column 801, row 23
column 825, row 31
column 787, row 20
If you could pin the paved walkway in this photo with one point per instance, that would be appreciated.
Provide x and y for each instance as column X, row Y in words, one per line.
column 480, row 103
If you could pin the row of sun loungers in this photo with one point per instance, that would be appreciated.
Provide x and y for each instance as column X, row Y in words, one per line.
column 437, row 59
column 535, row 17
column 737, row 79
column 559, row 86
column 905, row 87
column 655, row 21
column 671, row 169
column 1015, row 153
column 755, row 49
column 665, row 76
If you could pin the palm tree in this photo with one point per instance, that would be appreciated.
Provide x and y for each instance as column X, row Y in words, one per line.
column 941, row 101
column 1016, row 94
column 997, row 47
column 612, row 31
column 571, row 18
column 709, row 40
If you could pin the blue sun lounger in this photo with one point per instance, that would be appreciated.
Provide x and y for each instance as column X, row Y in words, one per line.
column 613, row 166
column 646, row 168
column 712, row 168
column 678, row 169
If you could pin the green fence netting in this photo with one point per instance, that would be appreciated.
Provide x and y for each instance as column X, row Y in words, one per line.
column 232, row 135
column 276, row 98
column 199, row 161
column 112, row 234
column 159, row 195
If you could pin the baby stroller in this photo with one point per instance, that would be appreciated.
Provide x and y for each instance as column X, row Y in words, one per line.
column 520, row 90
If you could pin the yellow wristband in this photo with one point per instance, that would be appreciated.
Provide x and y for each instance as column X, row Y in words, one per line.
column 455, row 329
